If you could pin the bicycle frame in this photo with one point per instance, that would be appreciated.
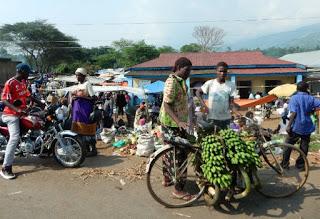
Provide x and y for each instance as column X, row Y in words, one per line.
column 171, row 145
column 265, row 144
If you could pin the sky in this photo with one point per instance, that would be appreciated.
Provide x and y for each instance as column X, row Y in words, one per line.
column 162, row 22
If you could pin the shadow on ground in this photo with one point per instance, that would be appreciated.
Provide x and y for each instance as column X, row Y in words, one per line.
column 256, row 205
column 34, row 164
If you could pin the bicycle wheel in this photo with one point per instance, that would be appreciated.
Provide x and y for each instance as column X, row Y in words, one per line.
column 277, row 180
column 164, row 180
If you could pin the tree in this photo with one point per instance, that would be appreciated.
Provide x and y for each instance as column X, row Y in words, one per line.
column 43, row 45
column 71, row 67
column 192, row 47
column 108, row 60
column 97, row 51
column 122, row 44
column 166, row 49
column 139, row 52
column 281, row 51
column 4, row 53
column 209, row 38
column 131, row 53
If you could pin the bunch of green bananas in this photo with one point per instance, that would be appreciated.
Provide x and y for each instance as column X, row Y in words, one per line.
column 216, row 159
column 214, row 164
column 240, row 152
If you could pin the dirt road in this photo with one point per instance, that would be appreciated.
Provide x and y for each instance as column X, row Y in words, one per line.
column 44, row 190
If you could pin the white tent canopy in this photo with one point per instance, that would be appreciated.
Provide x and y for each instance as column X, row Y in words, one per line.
column 136, row 91
column 73, row 79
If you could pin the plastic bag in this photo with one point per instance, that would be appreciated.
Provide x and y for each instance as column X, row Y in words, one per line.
column 119, row 144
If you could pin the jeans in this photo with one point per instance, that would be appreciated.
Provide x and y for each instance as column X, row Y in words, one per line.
column 304, row 146
column 13, row 123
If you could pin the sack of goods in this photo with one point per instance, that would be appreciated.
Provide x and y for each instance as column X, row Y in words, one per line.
column 145, row 146
column 146, row 128
column 107, row 135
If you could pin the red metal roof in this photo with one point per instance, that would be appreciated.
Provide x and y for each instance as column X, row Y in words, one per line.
column 210, row 59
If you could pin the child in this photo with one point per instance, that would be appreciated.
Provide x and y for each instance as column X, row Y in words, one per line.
column 233, row 125
column 62, row 111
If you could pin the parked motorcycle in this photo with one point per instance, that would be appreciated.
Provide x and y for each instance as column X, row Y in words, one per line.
column 42, row 135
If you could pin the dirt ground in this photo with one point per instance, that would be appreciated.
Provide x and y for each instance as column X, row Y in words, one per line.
column 110, row 186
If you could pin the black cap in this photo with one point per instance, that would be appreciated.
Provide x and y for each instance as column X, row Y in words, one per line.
column 24, row 67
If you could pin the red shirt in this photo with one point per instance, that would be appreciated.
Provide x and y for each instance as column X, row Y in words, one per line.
column 13, row 90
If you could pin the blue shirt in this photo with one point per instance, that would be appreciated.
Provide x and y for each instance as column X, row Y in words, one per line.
column 303, row 104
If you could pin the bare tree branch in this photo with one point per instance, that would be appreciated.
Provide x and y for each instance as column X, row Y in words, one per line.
column 209, row 38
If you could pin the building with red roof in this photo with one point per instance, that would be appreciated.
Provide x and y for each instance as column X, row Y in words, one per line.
column 250, row 70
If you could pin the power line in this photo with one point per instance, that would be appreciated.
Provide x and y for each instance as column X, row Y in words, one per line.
column 207, row 21
column 192, row 21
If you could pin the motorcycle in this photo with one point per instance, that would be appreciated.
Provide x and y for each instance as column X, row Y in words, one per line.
column 42, row 135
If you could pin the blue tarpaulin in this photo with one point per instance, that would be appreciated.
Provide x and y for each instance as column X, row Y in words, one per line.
column 155, row 87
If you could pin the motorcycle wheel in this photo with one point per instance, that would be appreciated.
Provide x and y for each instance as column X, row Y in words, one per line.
column 72, row 155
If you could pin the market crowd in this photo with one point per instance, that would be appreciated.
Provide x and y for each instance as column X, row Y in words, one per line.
column 88, row 113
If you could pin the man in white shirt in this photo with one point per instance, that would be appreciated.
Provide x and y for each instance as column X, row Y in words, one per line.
column 220, row 97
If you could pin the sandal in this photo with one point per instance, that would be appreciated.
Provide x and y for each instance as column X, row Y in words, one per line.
column 183, row 196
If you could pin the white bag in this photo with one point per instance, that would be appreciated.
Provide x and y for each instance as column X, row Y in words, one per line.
column 145, row 146
column 144, row 128
column 107, row 135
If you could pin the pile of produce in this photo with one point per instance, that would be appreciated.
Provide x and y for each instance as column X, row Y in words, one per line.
column 222, row 152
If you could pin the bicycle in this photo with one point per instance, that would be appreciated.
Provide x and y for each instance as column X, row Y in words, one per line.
column 273, row 179
column 188, row 170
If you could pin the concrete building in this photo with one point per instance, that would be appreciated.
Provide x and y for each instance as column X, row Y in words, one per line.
column 250, row 71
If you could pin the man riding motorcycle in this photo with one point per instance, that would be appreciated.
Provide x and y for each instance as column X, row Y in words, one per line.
column 14, row 96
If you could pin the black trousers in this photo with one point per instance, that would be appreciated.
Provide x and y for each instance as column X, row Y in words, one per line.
column 120, row 110
column 304, row 146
